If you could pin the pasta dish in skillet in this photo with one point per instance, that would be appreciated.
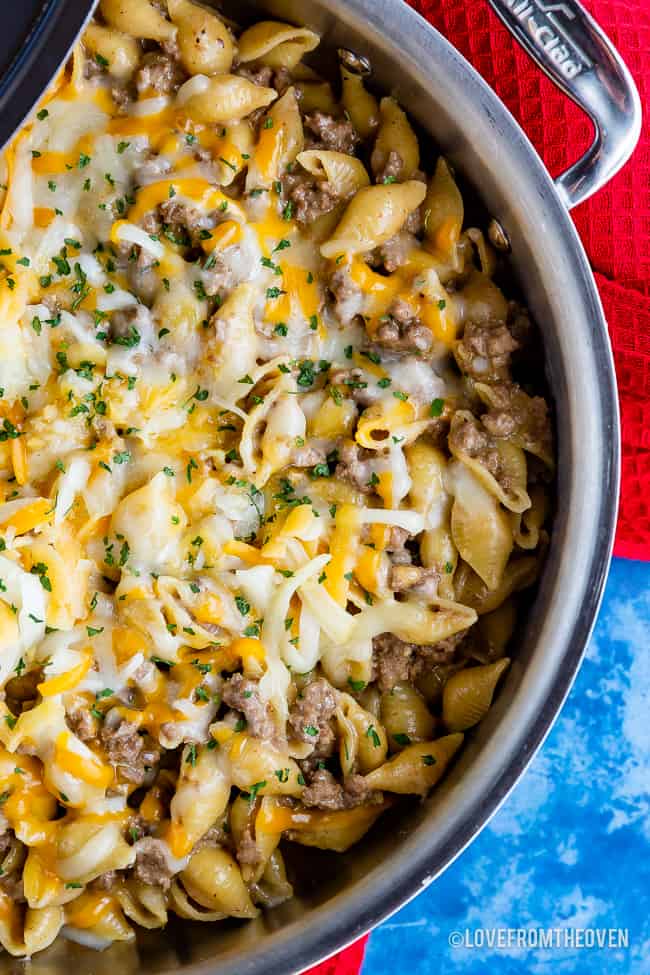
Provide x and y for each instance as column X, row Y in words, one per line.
column 269, row 485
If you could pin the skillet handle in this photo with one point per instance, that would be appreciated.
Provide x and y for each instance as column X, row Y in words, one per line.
column 566, row 43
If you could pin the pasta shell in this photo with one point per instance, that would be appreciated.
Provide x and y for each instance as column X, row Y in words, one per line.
column 412, row 621
column 496, row 628
column 120, row 50
column 336, row 831
column 443, row 212
column 142, row 903
column 242, row 819
column 85, row 850
column 472, row 591
column 110, row 924
column 528, row 525
column 26, row 931
column 41, row 887
column 345, row 173
column 363, row 744
column 41, row 928
column 181, row 904
column 432, row 681
column 202, row 794
column 405, row 716
column 213, row 879
column 361, row 107
column 467, row 695
column 204, row 41
column 139, row 18
column 479, row 528
column 317, row 96
column 255, row 761
column 416, row 769
column 374, row 214
column 272, row 888
column 228, row 98
column 276, row 44
column 280, row 140
column 395, row 135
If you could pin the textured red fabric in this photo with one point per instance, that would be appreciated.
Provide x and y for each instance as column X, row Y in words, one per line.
column 614, row 226
column 347, row 962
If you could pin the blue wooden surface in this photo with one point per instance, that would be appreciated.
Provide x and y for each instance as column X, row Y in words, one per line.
column 571, row 846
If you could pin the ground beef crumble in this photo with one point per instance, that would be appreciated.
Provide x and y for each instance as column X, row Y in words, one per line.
column 131, row 753
column 266, row 77
column 414, row 579
column 243, row 695
column 395, row 252
column 355, row 466
column 403, row 331
column 348, row 296
column 336, row 134
column 312, row 198
column 247, row 849
column 396, row 661
column 82, row 724
column 392, row 169
column 324, row 792
column 513, row 415
column 466, row 436
column 160, row 73
column 151, row 863
column 311, row 715
column 485, row 351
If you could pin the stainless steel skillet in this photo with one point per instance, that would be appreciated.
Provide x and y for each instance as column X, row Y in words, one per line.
column 341, row 897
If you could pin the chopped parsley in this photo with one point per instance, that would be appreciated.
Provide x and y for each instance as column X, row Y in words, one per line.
column 128, row 341
column 306, row 373
column 254, row 789
column 374, row 737
column 41, row 570
column 402, row 739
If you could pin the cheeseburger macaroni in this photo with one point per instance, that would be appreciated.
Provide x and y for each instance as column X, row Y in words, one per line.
column 269, row 487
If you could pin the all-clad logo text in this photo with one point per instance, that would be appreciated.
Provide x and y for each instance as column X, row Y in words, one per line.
column 542, row 23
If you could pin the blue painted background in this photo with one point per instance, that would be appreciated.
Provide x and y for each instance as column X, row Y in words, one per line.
column 571, row 846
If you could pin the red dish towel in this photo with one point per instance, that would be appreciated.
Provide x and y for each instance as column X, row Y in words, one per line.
column 614, row 226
